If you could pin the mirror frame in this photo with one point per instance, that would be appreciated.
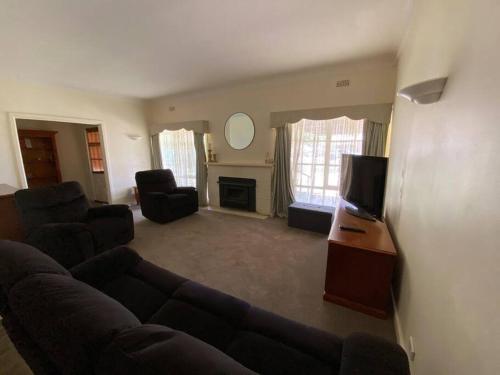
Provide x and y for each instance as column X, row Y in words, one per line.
column 253, row 137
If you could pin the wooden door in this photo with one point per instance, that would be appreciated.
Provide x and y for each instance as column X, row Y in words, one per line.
column 40, row 159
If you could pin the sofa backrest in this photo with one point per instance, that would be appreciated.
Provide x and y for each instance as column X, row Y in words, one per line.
column 62, row 203
column 157, row 180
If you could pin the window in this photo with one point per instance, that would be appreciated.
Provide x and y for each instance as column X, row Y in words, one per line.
column 178, row 154
column 95, row 152
column 317, row 148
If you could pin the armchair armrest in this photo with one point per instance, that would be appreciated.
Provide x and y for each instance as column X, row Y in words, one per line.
column 368, row 355
column 106, row 266
column 191, row 191
column 108, row 210
column 67, row 243
column 185, row 189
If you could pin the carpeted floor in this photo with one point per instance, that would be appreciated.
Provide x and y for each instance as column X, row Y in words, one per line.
column 264, row 262
column 261, row 261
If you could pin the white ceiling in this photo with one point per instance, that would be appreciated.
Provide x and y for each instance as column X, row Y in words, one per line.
column 147, row 48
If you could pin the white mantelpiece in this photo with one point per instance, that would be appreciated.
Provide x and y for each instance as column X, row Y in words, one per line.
column 261, row 172
column 240, row 164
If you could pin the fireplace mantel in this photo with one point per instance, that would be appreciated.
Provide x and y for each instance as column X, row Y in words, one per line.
column 259, row 171
column 239, row 164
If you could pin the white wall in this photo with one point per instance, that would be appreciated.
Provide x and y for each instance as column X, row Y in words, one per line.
column 371, row 82
column 120, row 116
column 71, row 149
column 443, row 187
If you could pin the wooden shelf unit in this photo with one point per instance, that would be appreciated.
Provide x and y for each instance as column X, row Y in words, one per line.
column 360, row 265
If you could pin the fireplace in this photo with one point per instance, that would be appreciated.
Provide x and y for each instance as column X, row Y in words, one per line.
column 237, row 192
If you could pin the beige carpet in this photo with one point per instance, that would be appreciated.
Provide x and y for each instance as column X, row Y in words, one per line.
column 264, row 262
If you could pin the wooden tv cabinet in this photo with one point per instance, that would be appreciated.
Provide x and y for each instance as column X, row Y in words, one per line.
column 360, row 265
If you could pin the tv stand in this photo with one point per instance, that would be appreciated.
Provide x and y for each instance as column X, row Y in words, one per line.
column 360, row 265
column 359, row 212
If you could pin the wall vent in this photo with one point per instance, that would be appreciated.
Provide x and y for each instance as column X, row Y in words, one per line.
column 343, row 83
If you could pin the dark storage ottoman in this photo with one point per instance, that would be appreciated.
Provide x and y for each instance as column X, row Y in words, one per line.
column 310, row 217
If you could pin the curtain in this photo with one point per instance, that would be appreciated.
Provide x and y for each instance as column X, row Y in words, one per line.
column 156, row 152
column 201, row 169
column 178, row 154
column 282, row 195
column 316, row 155
column 374, row 138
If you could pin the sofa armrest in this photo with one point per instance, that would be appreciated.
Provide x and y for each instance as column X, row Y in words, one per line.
column 106, row 266
column 368, row 355
column 109, row 210
column 154, row 349
column 67, row 243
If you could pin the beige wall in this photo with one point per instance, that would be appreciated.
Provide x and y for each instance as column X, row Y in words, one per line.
column 371, row 82
column 120, row 116
column 71, row 149
column 443, row 187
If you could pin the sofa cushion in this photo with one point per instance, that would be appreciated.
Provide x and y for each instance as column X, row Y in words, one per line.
column 196, row 322
column 139, row 297
column 267, row 356
column 319, row 344
column 167, row 282
column 69, row 320
column 100, row 270
column 152, row 350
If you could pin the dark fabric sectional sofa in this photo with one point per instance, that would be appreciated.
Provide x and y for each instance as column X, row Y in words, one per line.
column 119, row 314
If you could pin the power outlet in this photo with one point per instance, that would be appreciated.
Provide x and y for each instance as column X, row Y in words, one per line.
column 411, row 348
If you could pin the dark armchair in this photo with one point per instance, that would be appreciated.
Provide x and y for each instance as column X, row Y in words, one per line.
column 59, row 221
column 161, row 200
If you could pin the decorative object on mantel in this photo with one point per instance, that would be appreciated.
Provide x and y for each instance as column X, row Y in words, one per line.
column 424, row 92
column 268, row 159
column 212, row 158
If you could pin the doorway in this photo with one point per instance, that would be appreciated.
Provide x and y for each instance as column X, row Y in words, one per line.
column 52, row 151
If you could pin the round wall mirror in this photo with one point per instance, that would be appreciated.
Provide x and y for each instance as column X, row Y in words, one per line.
column 239, row 131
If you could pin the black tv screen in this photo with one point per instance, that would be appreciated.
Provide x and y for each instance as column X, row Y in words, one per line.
column 363, row 182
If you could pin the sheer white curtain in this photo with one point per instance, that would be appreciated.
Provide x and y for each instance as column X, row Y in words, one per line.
column 179, row 154
column 317, row 148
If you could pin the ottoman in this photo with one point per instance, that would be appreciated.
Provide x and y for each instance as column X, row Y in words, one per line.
column 310, row 217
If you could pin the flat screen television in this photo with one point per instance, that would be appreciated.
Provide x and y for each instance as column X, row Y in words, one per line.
column 362, row 184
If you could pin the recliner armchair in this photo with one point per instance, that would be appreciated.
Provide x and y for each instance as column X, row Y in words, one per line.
column 161, row 200
column 59, row 221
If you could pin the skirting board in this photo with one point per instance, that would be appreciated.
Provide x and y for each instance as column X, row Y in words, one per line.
column 400, row 337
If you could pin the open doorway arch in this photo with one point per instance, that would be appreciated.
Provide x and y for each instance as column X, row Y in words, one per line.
column 13, row 119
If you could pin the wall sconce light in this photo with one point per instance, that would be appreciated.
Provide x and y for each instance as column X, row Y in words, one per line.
column 424, row 92
column 134, row 137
